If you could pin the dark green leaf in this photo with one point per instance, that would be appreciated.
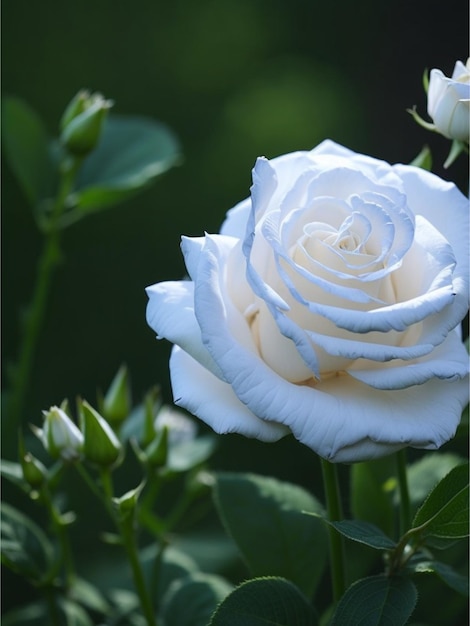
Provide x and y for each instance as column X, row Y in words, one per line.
column 25, row 548
column 262, row 601
column 266, row 520
column 132, row 152
column 30, row 615
column 363, row 532
column 447, row 574
column 75, row 615
column 13, row 472
column 445, row 512
column 371, row 497
column 88, row 595
column 377, row 601
column 192, row 600
column 427, row 472
column 174, row 565
column 27, row 151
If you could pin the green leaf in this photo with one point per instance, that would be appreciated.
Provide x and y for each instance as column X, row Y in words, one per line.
column 192, row 600
column 25, row 548
column 265, row 518
column 424, row 474
column 446, row 573
column 371, row 498
column 174, row 564
column 363, row 532
column 75, row 615
column 423, row 159
column 262, row 601
column 30, row 615
column 184, row 456
column 13, row 472
column 88, row 595
column 132, row 152
column 377, row 601
column 445, row 512
column 26, row 148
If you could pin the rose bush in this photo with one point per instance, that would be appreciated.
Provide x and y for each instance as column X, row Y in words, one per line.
column 328, row 306
column 449, row 101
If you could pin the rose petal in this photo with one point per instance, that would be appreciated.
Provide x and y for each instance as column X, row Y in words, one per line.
column 201, row 393
column 338, row 414
column 170, row 312
column 449, row 361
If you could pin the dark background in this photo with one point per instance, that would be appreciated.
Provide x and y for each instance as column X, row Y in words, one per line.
column 234, row 79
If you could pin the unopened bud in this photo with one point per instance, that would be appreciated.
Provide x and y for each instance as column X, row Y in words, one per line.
column 81, row 134
column 117, row 403
column 100, row 446
column 61, row 437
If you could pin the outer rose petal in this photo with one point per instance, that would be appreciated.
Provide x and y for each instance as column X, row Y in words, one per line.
column 170, row 312
column 341, row 419
column 207, row 397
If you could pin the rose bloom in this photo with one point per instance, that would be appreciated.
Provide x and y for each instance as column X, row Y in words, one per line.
column 327, row 307
column 449, row 101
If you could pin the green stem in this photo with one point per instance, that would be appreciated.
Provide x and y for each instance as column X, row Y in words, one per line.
column 334, row 512
column 52, row 606
column 65, row 556
column 35, row 313
column 125, row 526
column 405, row 507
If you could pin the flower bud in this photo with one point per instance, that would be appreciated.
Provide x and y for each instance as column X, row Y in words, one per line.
column 82, row 130
column 181, row 428
column 100, row 446
column 60, row 435
column 449, row 102
column 75, row 107
column 34, row 472
column 117, row 403
column 156, row 453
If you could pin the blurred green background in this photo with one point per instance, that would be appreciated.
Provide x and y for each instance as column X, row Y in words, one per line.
column 234, row 79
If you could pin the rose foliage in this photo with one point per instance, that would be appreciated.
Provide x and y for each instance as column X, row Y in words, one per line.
column 327, row 307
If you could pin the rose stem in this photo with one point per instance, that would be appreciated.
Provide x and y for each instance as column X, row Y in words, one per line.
column 334, row 512
column 405, row 512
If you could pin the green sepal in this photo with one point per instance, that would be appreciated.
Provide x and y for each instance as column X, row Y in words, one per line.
column 424, row 159
column 100, row 446
column 156, row 453
column 34, row 472
column 117, row 402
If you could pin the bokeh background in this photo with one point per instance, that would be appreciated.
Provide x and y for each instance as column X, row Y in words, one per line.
column 234, row 79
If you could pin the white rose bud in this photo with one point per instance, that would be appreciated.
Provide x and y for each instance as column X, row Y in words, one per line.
column 61, row 437
column 449, row 101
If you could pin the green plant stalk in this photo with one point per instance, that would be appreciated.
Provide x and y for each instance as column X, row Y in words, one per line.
column 125, row 527
column 405, row 506
column 334, row 512
column 65, row 555
column 35, row 313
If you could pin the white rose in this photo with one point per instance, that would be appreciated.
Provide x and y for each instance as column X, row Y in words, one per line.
column 327, row 307
column 449, row 101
